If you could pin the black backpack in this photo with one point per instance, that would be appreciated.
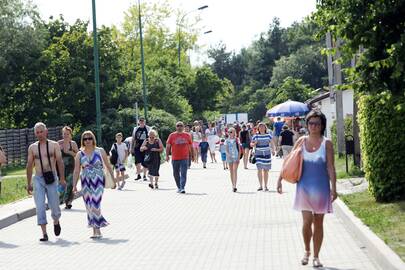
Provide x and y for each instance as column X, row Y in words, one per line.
column 114, row 155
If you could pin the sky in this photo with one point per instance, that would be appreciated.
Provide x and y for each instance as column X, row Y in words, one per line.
column 236, row 23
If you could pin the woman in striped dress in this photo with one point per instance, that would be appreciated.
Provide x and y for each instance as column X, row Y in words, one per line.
column 264, row 147
column 90, row 161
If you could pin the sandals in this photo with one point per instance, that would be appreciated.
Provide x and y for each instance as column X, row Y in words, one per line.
column 305, row 259
column 316, row 263
column 260, row 189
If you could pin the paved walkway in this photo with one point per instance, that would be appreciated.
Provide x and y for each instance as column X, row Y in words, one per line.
column 210, row 227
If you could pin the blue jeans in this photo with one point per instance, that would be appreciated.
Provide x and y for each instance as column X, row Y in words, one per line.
column 42, row 190
column 180, row 172
column 204, row 156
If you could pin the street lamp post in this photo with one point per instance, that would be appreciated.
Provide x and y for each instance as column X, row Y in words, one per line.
column 145, row 103
column 179, row 34
column 96, row 73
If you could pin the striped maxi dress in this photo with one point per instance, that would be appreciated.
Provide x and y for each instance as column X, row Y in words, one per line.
column 92, row 179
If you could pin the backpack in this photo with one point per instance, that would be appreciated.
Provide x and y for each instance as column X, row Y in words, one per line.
column 114, row 155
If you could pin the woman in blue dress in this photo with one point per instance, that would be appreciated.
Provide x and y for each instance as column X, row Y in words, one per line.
column 316, row 189
column 89, row 162
column 264, row 147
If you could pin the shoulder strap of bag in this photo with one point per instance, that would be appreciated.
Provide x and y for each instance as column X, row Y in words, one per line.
column 116, row 147
column 40, row 157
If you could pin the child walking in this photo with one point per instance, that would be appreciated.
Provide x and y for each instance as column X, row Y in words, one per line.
column 119, row 167
column 233, row 153
column 204, row 151
column 222, row 150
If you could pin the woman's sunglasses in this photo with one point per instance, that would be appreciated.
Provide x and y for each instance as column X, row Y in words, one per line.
column 87, row 139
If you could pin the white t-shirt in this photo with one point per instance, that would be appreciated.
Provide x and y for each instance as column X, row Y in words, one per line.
column 121, row 149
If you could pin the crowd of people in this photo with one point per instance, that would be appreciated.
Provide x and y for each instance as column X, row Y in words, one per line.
column 60, row 165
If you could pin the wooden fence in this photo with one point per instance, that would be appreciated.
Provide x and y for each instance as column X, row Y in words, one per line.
column 15, row 143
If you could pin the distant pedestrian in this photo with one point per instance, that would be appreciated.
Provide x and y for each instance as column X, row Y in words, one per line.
column 179, row 145
column 264, row 147
column 233, row 152
column 89, row 165
column 204, row 151
column 139, row 135
column 286, row 140
column 68, row 149
column 152, row 147
column 245, row 140
column 45, row 155
column 316, row 189
column 212, row 138
column 3, row 160
column 222, row 150
column 187, row 129
column 122, row 155
column 278, row 127
column 197, row 138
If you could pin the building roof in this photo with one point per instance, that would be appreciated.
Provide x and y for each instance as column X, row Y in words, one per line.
column 323, row 93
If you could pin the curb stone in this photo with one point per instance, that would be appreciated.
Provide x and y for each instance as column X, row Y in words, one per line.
column 386, row 258
column 21, row 215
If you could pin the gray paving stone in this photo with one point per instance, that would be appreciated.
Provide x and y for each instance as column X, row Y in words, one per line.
column 210, row 227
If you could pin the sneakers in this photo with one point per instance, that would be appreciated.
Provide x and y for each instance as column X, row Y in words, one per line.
column 138, row 177
column 144, row 178
column 182, row 191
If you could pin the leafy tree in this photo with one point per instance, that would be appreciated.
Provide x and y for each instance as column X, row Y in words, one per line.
column 306, row 64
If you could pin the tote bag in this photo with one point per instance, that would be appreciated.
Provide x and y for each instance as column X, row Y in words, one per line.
column 292, row 165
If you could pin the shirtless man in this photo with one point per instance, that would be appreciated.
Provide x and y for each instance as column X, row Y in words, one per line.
column 44, row 186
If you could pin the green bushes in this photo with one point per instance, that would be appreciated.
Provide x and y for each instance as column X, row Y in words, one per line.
column 348, row 130
column 382, row 137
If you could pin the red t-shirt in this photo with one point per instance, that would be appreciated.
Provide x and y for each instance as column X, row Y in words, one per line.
column 181, row 143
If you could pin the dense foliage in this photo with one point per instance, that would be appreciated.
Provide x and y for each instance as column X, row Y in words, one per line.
column 373, row 32
column 282, row 64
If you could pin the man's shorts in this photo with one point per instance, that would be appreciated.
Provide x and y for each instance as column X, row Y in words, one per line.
column 139, row 156
column 119, row 167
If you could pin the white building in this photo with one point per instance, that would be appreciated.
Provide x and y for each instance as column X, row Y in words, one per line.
column 327, row 106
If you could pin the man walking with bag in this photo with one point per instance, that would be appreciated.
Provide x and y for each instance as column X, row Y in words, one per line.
column 45, row 155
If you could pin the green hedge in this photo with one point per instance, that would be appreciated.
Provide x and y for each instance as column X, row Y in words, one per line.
column 382, row 137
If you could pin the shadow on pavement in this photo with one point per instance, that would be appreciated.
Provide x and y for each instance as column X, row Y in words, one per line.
column 195, row 194
column 110, row 241
column 165, row 189
column 75, row 210
column 62, row 243
column 333, row 268
column 6, row 245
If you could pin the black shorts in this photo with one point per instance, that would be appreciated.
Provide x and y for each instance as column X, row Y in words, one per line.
column 139, row 156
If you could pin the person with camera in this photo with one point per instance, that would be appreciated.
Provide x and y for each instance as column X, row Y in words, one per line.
column 139, row 135
column 45, row 156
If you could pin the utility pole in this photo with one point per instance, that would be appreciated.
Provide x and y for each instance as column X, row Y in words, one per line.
column 96, row 73
column 145, row 103
column 340, row 124
column 356, row 129
column 335, row 78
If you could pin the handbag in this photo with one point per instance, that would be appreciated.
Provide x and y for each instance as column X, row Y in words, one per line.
column 109, row 181
column 49, row 177
column 292, row 165
column 252, row 158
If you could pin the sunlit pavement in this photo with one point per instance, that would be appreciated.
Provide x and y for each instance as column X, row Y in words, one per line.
column 209, row 227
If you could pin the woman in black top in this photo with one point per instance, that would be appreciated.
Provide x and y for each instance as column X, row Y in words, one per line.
column 152, row 147
column 245, row 138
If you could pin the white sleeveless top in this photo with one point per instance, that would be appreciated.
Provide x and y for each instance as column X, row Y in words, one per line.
column 319, row 154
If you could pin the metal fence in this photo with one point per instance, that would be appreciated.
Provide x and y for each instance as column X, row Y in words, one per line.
column 15, row 143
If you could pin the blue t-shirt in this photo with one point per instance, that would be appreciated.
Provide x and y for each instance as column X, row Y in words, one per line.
column 204, row 147
column 278, row 127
